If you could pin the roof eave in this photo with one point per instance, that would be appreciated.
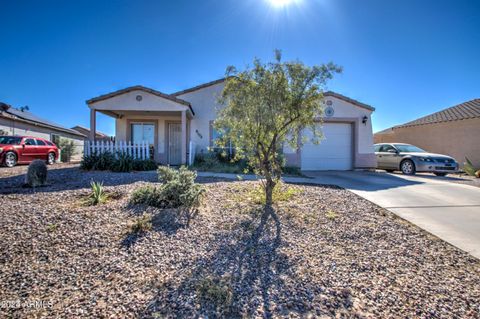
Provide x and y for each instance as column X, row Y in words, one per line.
column 17, row 118
column 350, row 100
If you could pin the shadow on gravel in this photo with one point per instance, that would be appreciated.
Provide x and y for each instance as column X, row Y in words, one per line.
column 166, row 220
column 70, row 178
column 246, row 276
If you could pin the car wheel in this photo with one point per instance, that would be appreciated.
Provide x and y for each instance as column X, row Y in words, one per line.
column 390, row 170
column 407, row 167
column 51, row 158
column 440, row 174
column 10, row 159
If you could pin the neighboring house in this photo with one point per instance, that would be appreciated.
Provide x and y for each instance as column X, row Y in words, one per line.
column 99, row 136
column 18, row 122
column 172, row 122
column 454, row 131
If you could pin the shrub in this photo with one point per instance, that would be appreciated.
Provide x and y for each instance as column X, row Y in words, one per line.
column 142, row 224
column 68, row 149
column 144, row 165
column 36, row 174
column 100, row 162
column 214, row 161
column 98, row 195
column 123, row 163
column 179, row 188
column 148, row 195
column 120, row 163
column 470, row 169
column 291, row 170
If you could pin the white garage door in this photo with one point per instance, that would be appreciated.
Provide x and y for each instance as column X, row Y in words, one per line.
column 334, row 151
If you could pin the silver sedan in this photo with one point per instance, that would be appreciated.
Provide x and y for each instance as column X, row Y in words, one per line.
column 411, row 159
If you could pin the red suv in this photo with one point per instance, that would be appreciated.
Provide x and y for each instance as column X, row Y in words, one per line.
column 24, row 149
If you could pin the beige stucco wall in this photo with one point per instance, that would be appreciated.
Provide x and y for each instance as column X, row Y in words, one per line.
column 205, row 106
column 456, row 138
column 364, row 156
column 122, row 130
column 19, row 128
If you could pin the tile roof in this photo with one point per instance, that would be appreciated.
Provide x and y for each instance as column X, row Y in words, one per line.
column 328, row 93
column 27, row 116
column 350, row 100
column 463, row 111
column 198, row 87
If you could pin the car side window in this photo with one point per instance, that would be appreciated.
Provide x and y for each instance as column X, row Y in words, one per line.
column 387, row 148
column 40, row 142
column 377, row 148
column 30, row 141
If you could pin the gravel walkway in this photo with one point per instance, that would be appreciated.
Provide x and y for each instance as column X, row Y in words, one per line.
column 328, row 253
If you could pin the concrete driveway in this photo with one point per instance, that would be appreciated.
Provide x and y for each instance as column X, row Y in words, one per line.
column 446, row 209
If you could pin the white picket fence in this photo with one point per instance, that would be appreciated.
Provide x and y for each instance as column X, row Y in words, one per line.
column 137, row 150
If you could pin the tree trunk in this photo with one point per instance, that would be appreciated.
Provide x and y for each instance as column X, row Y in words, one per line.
column 269, row 186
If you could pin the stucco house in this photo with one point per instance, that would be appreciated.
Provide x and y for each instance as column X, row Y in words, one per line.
column 171, row 123
column 22, row 122
column 99, row 136
column 453, row 131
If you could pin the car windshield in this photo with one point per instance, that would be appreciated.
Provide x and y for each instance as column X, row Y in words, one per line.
column 405, row 148
column 10, row 140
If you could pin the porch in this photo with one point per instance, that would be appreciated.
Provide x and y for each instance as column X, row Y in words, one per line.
column 147, row 117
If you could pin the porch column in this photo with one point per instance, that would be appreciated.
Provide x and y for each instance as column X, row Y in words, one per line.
column 93, row 124
column 184, row 137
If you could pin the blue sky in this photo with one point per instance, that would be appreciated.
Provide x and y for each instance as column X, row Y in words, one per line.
column 406, row 58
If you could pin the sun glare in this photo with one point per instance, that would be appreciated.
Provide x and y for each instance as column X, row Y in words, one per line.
column 280, row 3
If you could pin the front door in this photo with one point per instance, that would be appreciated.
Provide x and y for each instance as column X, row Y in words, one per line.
column 174, row 143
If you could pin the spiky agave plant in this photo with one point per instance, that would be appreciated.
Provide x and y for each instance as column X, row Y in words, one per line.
column 98, row 195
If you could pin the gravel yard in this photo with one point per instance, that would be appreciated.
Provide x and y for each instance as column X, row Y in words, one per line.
column 330, row 253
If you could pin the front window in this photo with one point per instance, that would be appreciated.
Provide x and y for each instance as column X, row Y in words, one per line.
column 143, row 132
column 406, row 148
column 10, row 140
column 55, row 139
column 40, row 142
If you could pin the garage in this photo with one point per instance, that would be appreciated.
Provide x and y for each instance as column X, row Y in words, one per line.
column 334, row 151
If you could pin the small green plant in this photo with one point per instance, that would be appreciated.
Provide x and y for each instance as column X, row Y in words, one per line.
column 141, row 224
column 331, row 215
column 215, row 291
column 470, row 169
column 98, row 195
column 68, row 149
column 36, row 174
column 281, row 193
column 52, row 228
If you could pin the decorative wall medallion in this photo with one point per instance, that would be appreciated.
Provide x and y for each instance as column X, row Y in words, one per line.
column 138, row 98
column 329, row 102
column 329, row 111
